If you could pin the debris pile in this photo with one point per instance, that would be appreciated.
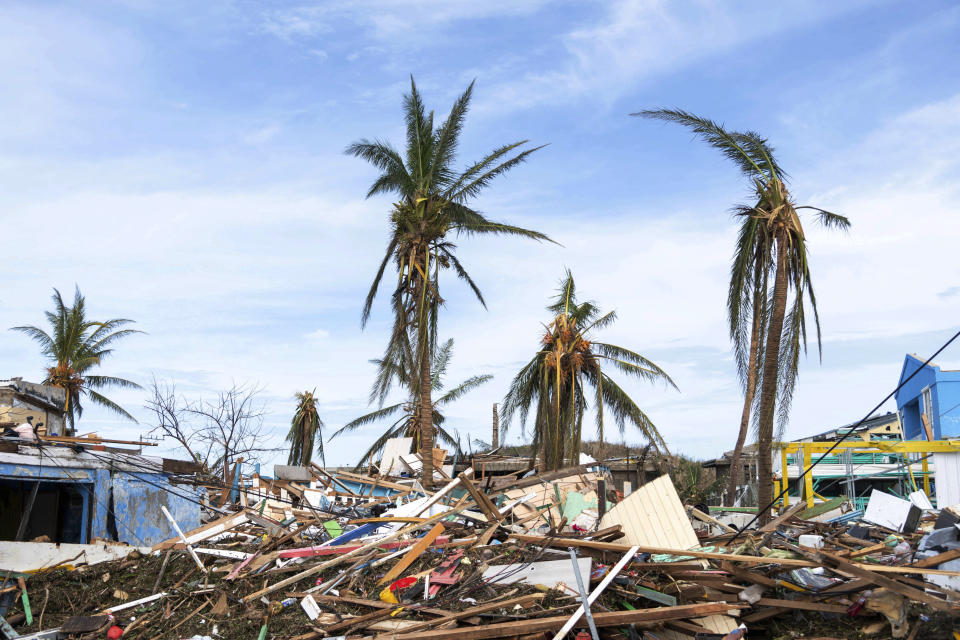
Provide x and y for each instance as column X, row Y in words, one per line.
column 322, row 554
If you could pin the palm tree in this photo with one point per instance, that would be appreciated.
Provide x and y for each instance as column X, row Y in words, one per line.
column 406, row 415
column 305, row 431
column 74, row 347
column 554, row 382
column 771, row 242
column 432, row 204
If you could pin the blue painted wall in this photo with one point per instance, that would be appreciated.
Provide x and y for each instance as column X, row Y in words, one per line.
column 137, row 498
column 945, row 396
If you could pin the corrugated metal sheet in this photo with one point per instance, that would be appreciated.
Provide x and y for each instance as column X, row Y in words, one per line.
column 947, row 467
column 653, row 516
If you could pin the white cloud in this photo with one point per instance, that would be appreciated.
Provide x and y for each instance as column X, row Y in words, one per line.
column 639, row 39
column 319, row 334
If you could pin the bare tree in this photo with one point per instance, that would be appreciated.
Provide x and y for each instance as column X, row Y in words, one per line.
column 171, row 416
column 216, row 433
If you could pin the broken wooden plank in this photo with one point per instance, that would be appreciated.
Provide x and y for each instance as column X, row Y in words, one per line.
column 612, row 546
column 522, row 601
column 483, row 502
column 937, row 560
column 802, row 605
column 350, row 554
column 602, row 619
column 414, row 553
column 851, row 568
column 783, row 517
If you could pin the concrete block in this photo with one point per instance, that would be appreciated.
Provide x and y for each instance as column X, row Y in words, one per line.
column 891, row 512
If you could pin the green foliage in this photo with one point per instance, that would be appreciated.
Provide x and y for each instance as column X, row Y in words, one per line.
column 305, row 431
column 404, row 417
column 74, row 347
column 555, row 382
column 694, row 483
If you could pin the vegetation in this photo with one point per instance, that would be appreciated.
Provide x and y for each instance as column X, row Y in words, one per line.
column 767, row 332
column 305, row 431
column 432, row 204
column 406, row 415
column 75, row 347
column 555, row 382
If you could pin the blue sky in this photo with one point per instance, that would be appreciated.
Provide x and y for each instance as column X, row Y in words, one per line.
column 182, row 163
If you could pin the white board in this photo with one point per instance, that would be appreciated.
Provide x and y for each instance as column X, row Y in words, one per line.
column 392, row 450
column 549, row 573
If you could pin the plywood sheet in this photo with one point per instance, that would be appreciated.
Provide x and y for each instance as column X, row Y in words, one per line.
column 653, row 516
column 549, row 573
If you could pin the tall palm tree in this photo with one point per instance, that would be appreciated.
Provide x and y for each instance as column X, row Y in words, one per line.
column 305, row 433
column 771, row 242
column 406, row 415
column 554, row 382
column 432, row 204
column 74, row 347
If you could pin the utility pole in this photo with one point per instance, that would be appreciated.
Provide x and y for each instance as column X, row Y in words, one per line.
column 495, row 440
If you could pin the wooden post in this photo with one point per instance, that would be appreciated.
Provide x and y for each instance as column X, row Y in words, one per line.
column 601, row 499
column 495, row 438
column 926, row 475
column 807, row 479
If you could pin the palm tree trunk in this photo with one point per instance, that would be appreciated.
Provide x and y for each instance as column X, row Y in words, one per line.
column 748, row 397
column 768, row 391
column 426, row 382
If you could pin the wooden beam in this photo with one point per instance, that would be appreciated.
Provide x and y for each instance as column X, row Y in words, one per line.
column 933, row 561
column 412, row 554
column 602, row 619
column 622, row 548
column 783, row 517
column 483, row 502
column 523, row 601
column 883, row 581
column 802, row 605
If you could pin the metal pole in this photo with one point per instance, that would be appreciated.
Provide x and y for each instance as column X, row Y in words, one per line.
column 583, row 594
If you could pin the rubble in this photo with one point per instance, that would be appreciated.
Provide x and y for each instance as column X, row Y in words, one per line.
column 325, row 554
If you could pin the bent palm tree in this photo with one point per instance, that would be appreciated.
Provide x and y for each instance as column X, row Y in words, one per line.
column 406, row 415
column 432, row 203
column 554, row 382
column 771, row 242
column 305, row 431
column 74, row 346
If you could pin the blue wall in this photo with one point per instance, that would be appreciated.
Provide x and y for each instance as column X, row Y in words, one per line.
column 945, row 396
column 136, row 501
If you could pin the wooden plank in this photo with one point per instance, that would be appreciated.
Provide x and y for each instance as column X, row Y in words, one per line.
column 860, row 572
column 802, row 605
column 612, row 546
column 412, row 554
column 206, row 531
column 933, row 561
column 480, row 498
column 523, row 601
column 783, row 517
column 706, row 517
column 602, row 619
